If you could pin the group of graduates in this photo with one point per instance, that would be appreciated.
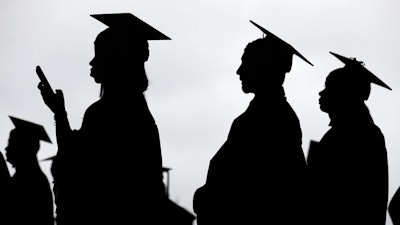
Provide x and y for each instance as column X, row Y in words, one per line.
column 110, row 170
column 260, row 174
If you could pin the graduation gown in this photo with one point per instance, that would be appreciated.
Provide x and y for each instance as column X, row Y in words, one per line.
column 110, row 171
column 349, row 173
column 31, row 198
column 257, row 175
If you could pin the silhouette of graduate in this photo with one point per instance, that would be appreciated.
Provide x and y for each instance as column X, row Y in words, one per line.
column 348, row 167
column 29, row 195
column 256, row 177
column 110, row 170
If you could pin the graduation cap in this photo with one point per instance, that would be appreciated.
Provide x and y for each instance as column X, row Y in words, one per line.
column 130, row 23
column 31, row 129
column 359, row 66
column 290, row 48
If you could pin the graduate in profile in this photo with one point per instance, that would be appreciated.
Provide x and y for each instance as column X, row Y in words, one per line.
column 348, row 167
column 110, row 170
column 257, row 176
column 27, row 193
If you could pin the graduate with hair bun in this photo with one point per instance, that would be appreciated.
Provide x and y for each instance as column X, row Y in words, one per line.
column 348, row 167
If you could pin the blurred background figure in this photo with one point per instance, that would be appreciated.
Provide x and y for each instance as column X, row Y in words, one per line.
column 28, row 195
column 173, row 213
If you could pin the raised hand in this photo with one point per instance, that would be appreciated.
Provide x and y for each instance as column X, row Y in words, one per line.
column 55, row 101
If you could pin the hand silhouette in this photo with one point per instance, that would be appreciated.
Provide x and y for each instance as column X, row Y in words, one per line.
column 55, row 101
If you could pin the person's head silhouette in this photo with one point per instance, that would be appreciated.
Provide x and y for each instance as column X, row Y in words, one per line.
column 347, row 87
column 121, row 51
column 24, row 142
column 265, row 62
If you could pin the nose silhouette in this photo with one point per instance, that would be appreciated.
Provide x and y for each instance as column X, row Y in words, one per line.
column 239, row 70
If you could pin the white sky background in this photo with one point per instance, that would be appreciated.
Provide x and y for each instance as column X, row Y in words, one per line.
column 194, row 92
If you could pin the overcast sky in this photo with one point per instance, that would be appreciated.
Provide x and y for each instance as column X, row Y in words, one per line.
column 194, row 92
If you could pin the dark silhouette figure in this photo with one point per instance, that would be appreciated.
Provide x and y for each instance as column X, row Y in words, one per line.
column 4, row 173
column 28, row 196
column 394, row 208
column 110, row 170
column 256, row 177
column 348, row 167
column 5, row 181
column 172, row 212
